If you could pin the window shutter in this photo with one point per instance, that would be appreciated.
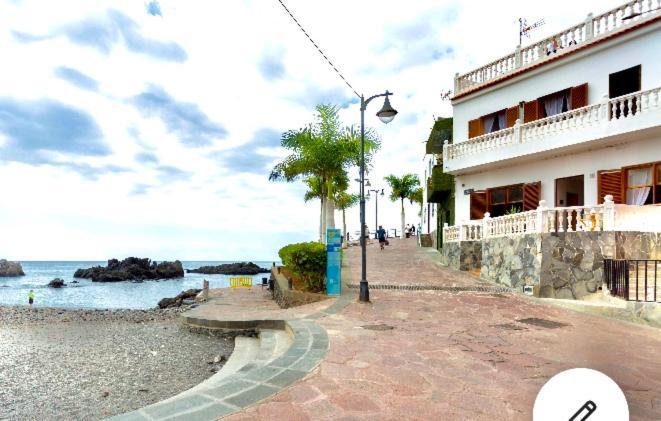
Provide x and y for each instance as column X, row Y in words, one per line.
column 475, row 128
column 610, row 182
column 578, row 96
column 531, row 194
column 478, row 204
column 530, row 111
column 511, row 114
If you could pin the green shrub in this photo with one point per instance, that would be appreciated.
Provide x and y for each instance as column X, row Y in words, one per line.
column 308, row 261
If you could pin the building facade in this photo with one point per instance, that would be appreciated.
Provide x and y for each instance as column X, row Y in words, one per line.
column 557, row 147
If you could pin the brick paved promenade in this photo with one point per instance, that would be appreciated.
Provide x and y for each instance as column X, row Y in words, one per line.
column 439, row 355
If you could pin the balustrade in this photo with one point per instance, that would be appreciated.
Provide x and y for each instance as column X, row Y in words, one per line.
column 593, row 27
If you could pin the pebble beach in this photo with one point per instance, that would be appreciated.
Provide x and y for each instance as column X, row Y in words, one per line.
column 62, row 364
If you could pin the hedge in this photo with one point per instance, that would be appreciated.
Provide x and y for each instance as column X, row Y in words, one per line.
column 308, row 261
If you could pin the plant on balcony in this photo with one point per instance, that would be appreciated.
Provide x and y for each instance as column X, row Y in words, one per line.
column 402, row 188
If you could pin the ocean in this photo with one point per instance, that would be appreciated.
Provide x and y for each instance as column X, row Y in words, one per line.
column 88, row 294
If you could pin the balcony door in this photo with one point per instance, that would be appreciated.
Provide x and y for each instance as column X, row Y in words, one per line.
column 569, row 191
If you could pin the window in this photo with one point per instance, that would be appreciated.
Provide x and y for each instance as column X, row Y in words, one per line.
column 624, row 82
column 555, row 103
column 494, row 122
column 505, row 200
column 643, row 184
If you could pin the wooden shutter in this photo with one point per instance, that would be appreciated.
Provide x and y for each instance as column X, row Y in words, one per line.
column 475, row 128
column 511, row 114
column 478, row 204
column 610, row 182
column 578, row 96
column 530, row 111
column 531, row 194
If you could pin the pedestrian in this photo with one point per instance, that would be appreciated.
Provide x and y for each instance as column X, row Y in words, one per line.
column 412, row 229
column 381, row 233
column 31, row 298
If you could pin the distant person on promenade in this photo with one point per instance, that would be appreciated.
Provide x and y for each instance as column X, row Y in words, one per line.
column 31, row 298
column 412, row 229
column 382, row 236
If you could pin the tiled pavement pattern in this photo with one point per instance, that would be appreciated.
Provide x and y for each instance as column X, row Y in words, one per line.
column 438, row 355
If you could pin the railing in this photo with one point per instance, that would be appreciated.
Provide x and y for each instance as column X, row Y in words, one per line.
column 605, row 217
column 593, row 28
column 608, row 111
column 633, row 279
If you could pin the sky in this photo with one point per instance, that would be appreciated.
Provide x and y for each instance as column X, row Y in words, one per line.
column 149, row 128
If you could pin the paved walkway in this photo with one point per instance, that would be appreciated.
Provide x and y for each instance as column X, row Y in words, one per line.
column 429, row 355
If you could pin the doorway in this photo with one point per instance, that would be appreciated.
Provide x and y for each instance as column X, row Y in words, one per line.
column 569, row 191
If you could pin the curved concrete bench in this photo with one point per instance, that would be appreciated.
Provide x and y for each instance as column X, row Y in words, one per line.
column 272, row 369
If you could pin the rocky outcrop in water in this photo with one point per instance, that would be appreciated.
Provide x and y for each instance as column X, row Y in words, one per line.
column 131, row 269
column 242, row 268
column 179, row 299
column 8, row 268
column 56, row 283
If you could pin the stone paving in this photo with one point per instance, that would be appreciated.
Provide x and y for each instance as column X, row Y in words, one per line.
column 437, row 355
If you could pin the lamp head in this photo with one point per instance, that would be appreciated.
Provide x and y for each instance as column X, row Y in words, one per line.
column 367, row 183
column 387, row 113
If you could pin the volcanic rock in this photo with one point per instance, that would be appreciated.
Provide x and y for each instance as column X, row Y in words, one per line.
column 131, row 269
column 242, row 268
column 179, row 299
column 8, row 268
column 56, row 283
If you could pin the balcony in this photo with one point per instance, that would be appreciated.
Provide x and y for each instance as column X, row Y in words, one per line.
column 439, row 185
column 600, row 124
column 592, row 30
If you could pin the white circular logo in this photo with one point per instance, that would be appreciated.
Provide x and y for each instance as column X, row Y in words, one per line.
column 580, row 394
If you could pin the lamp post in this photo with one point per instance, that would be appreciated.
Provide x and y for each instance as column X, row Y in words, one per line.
column 386, row 114
column 376, row 192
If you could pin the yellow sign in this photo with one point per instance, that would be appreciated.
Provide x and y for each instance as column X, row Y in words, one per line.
column 241, row 282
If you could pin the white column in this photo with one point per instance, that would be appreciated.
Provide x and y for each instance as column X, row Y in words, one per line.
column 456, row 83
column 517, row 57
column 518, row 131
column 589, row 27
column 603, row 109
column 609, row 213
column 542, row 221
column 485, row 225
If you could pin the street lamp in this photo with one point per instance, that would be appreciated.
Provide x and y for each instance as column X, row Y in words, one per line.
column 386, row 114
column 376, row 192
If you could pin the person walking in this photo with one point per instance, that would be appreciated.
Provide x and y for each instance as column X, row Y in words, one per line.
column 31, row 298
column 381, row 233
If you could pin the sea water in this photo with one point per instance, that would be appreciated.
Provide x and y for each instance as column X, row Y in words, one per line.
column 88, row 294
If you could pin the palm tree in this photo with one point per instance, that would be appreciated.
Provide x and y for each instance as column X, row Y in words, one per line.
column 325, row 150
column 416, row 197
column 402, row 188
column 316, row 191
column 344, row 201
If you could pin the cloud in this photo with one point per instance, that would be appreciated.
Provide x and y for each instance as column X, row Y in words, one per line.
column 139, row 189
column 154, row 8
column 103, row 32
column 146, row 158
column 246, row 158
column 89, row 171
column 312, row 95
column 46, row 125
column 417, row 42
column 184, row 119
column 170, row 174
column 77, row 78
column 271, row 65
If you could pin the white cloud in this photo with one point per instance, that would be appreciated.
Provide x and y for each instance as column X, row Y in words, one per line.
column 246, row 68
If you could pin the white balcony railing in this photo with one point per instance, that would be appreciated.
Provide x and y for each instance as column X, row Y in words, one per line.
column 605, row 217
column 613, row 111
column 592, row 29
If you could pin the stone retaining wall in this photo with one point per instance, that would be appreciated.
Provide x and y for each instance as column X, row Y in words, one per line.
column 286, row 297
column 513, row 261
column 462, row 255
column 637, row 245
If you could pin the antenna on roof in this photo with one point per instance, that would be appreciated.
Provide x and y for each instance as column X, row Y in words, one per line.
column 524, row 28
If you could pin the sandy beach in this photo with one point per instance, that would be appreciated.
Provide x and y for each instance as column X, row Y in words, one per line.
column 91, row 364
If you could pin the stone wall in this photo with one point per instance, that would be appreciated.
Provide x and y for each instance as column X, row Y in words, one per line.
column 286, row 297
column 512, row 261
column 637, row 245
column 462, row 255
column 573, row 263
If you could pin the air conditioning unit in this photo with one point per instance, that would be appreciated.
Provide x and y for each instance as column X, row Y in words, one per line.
column 528, row 289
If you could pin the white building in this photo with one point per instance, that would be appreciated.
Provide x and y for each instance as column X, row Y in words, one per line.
column 567, row 120
column 556, row 154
